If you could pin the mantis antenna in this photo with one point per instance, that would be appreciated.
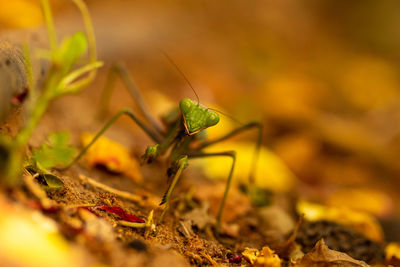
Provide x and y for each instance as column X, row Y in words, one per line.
column 226, row 115
column 194, row 91
column 182, row 74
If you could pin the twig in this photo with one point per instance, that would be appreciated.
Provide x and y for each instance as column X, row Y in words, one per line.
column 213, row 262
column 132, row 224
column 119, row 193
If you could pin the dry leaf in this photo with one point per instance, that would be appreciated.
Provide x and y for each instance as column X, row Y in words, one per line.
column 236, row 204
column 199, row 216
column 251, row 254
column 359, row 221
column 286, row 248
column 392, row 252
column 322, row 256
column 265, row 258
column 112, row 155
column 275, row 219
column 96, row 228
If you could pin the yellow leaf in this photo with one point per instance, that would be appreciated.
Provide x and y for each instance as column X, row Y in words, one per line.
column 369, row 200
column 392, row 252
column 265, row 258
column 112, row 155
column 271, row 172
column 359, row 221
column 251, row 254
column 268, row 258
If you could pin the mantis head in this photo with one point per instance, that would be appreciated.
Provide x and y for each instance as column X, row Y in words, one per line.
column 196, row 117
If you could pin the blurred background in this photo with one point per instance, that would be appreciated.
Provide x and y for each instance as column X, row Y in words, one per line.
column 322, row 76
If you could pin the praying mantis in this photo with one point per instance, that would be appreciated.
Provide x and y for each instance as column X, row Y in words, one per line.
column 179, row 136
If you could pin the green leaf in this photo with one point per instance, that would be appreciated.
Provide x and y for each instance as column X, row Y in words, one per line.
column 47, row 179
column 55, row 152
column 70, row 51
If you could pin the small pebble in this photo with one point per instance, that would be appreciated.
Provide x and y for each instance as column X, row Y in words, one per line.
column 138, row 245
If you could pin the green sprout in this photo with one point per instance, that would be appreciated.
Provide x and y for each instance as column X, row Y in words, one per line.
column 64, row 77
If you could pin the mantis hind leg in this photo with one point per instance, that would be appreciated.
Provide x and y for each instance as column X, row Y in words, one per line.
column 237, row 131
column 121, row 70
column 230, row 154
column 153, row 135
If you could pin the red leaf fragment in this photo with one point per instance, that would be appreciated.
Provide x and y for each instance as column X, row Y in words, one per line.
column 122, row 214
column 235, row 259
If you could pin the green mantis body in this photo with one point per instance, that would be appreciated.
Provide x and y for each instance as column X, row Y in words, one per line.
column 180, row 135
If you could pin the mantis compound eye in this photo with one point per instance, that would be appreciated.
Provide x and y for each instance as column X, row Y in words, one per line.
column 212, row 119
column 186, row 105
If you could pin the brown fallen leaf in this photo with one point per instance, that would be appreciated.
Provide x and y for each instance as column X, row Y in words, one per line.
column 237, row 204
column 199, row 216
column 185, row 228
column 286, row 248
column 322, row 256
column 275, row 221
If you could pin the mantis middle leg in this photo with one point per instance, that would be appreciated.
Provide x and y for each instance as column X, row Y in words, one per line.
column 230, row 154
column 182, row 164
column 237, row 131
column 151, row 133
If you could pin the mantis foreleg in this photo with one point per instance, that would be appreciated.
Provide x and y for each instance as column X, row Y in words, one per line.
column 182, row 163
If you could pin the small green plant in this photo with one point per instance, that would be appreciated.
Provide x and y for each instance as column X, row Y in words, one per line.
column 55, row 152
column 65, row 76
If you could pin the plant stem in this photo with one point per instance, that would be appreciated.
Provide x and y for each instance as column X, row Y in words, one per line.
column 51, row 32
column 17, row 150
